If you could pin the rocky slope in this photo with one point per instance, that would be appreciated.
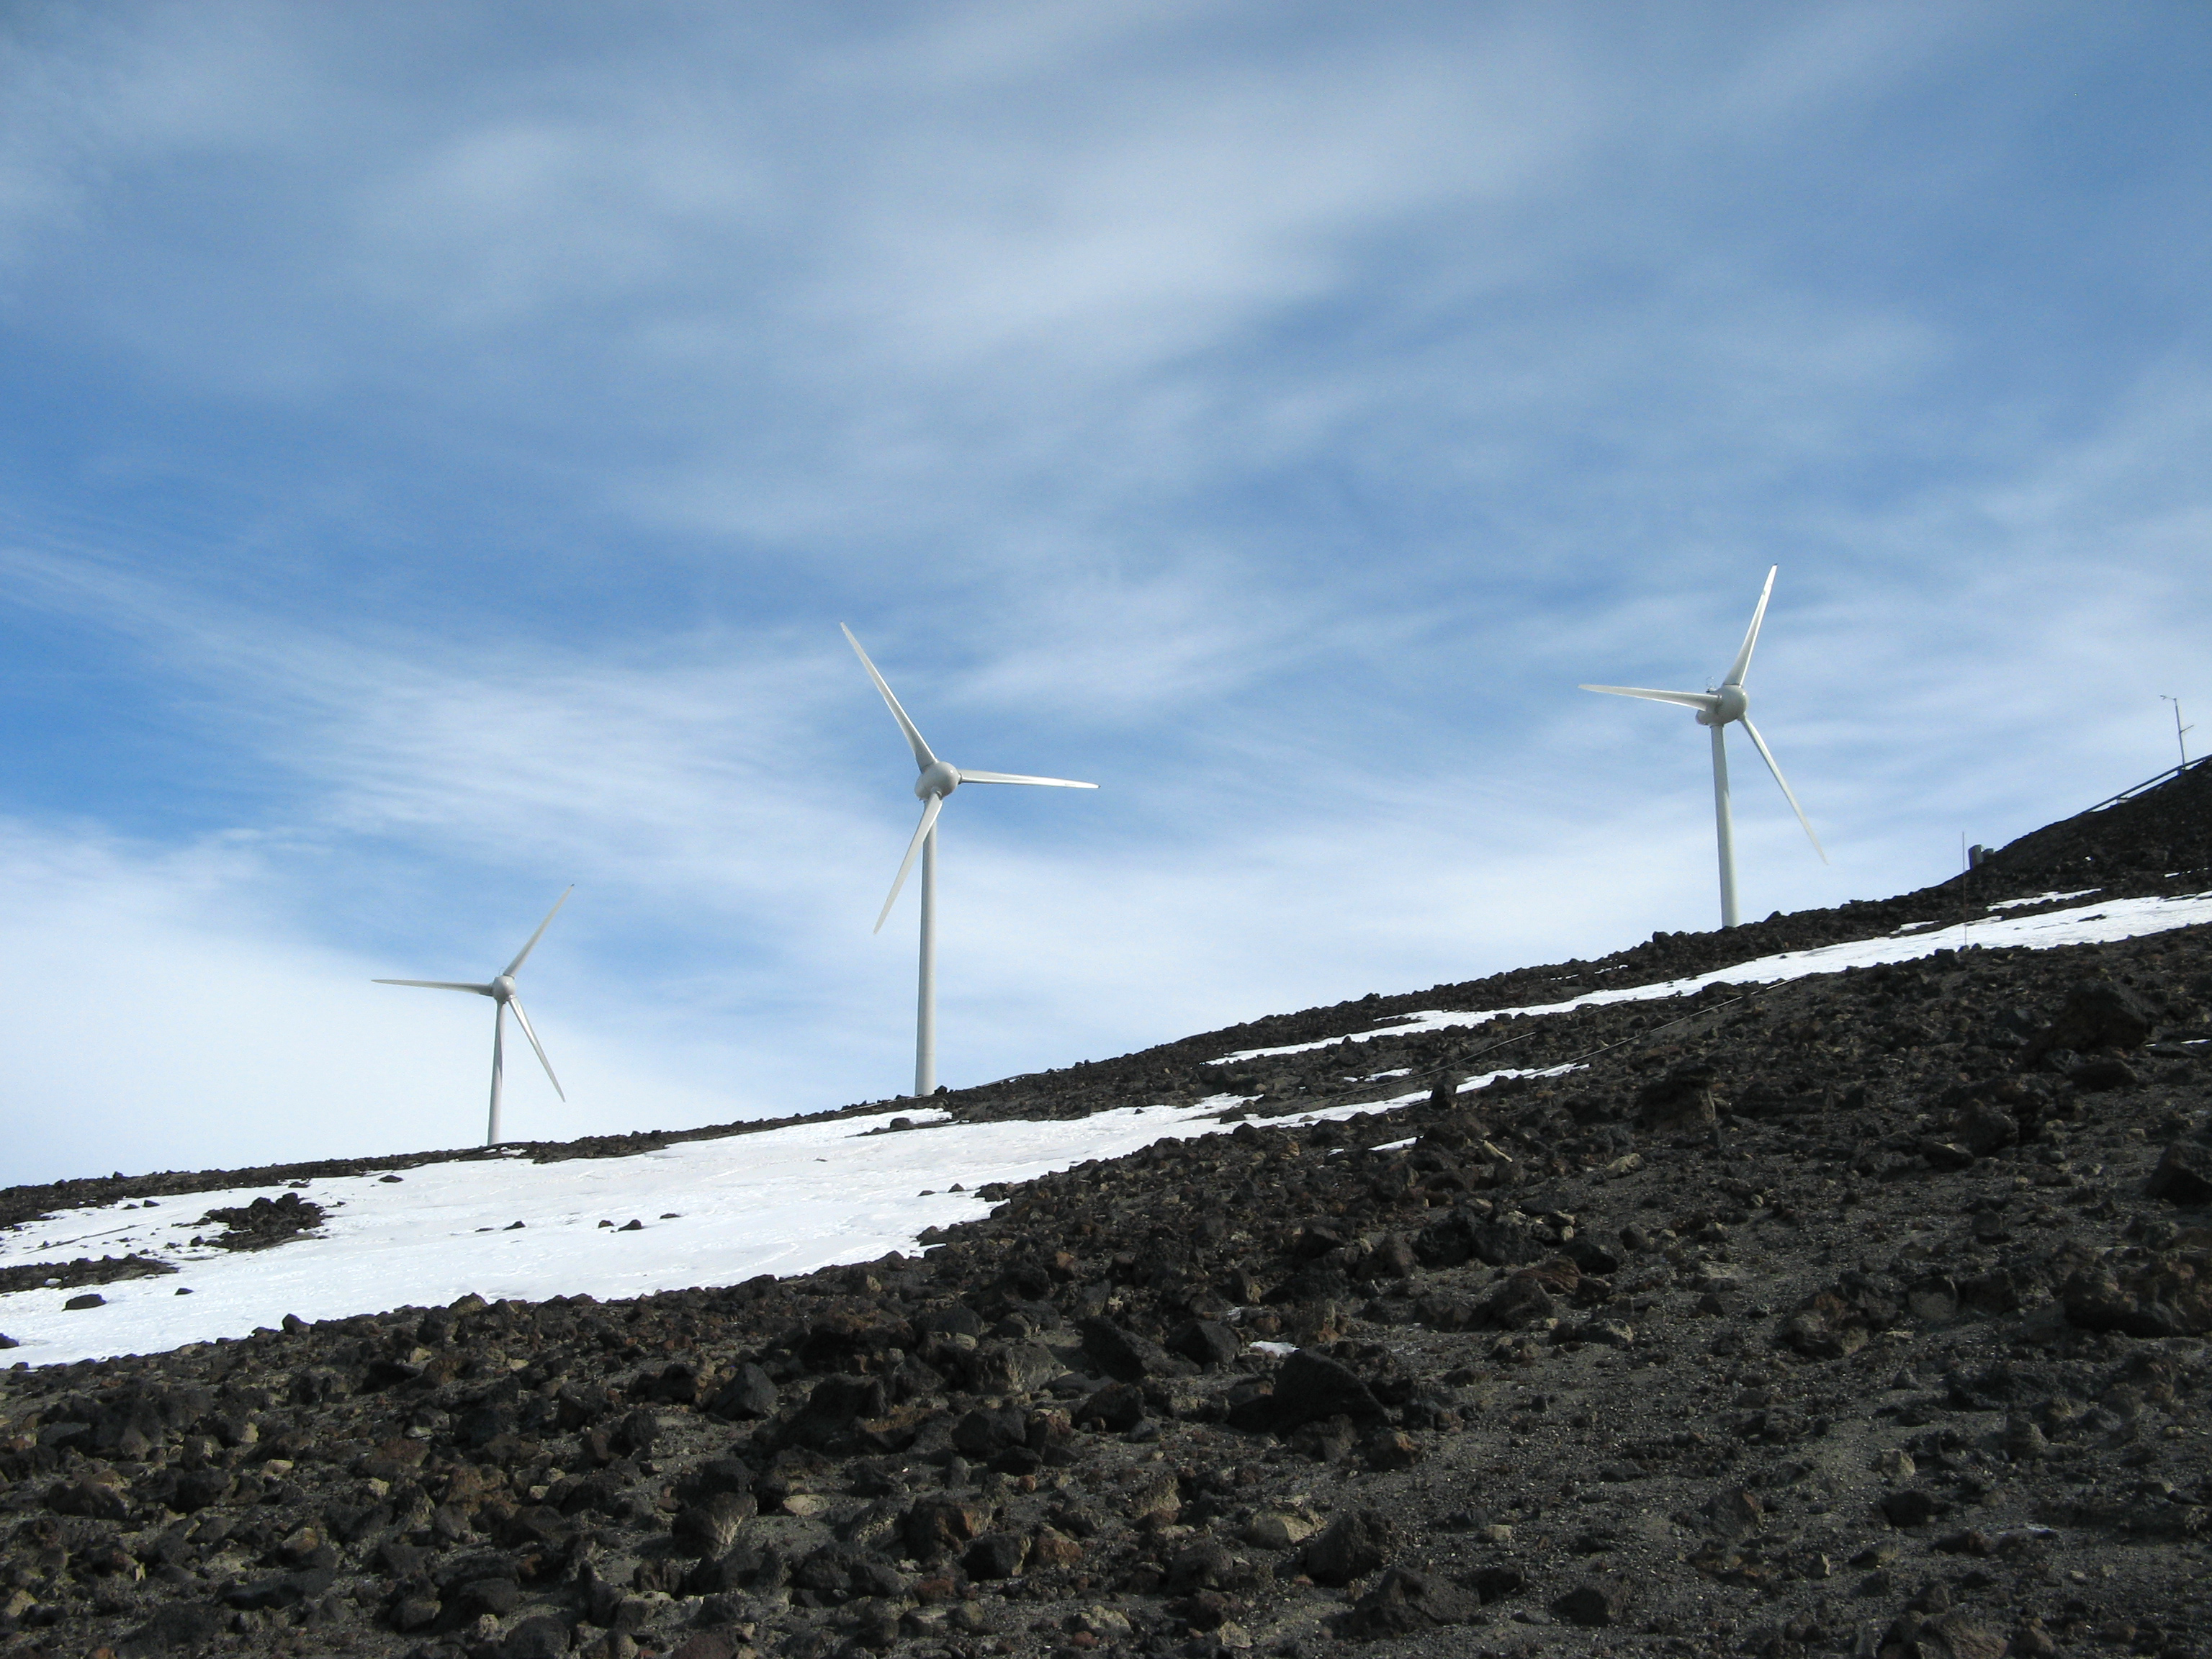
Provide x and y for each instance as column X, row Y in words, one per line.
column 1865, row 1313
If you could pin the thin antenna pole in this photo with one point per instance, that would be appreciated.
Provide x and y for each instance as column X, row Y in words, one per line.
column 2180, row 730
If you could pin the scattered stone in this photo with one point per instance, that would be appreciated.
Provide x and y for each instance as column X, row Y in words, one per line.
column 1912, row 1507
column 1280, row 1529
column 1205, row 1342
column 748, row 1393
column 1309, row 1385
column 996, row 1555
column 711, row 1526
column 1734, row 1513
column 1353, row 1545
column 265, row 1222
column 89, row 1498
column 1680, row 1100
column 2163, row 1296
column 1594, row 1603
column 2183, row 1175
column 2097, row 1014
column 1402, row 1601
column 178, row 1626
column 2098, row 1074
column 1124, row 1355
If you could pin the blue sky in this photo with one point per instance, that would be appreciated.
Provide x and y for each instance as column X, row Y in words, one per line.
column 440, row 445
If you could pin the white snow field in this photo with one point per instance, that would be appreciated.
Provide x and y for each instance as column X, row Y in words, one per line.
column 780, row 1201
column 2090, row 924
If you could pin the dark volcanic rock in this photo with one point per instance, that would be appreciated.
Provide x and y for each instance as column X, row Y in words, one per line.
column 287, row 1590
column 1911, row 1507
column 2097, row 1014
column 1309, row 1385
column 747, row 1393
column 84, row 1270
column 1126, row 1356
column 1403, row 1601
column 1205, row 1342
column 831, row 1410
column 995, row 1555
column 264, row 1222
column 181, row 1626
column 2183, row 1175
column 1594, row 1603
column 710, row 1526
column 1353, row 1545
column 1681, row 1100
column 86, row 1498
column 1117, row 1407
column 2167, row 1295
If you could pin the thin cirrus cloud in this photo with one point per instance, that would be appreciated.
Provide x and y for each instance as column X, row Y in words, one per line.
column 449, row 446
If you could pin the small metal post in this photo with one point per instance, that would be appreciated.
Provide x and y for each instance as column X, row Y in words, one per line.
column 2180, row 731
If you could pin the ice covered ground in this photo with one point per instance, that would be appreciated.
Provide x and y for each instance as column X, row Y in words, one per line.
column 2089, row 924
column 713, row 1212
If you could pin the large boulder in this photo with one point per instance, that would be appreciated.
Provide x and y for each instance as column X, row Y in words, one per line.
column 2096, row 1015
column 1308, row 1386
column 2167, row 1295
column 1681, row 1100
column 2183, row 1175
column 1402, row 1602
column 1124, row 1355
column 1351, row 1546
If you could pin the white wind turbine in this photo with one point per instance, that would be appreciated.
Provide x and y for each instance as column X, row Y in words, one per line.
column 1717, row 708
column 938, row 781
column 501, row 990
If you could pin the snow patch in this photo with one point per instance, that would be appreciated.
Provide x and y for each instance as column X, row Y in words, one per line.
column 780, row 1201
column 2120, row 919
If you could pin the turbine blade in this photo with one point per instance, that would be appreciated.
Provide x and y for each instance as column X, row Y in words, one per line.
column 929, row 812
column 523, row 1020
column 966, row 777
column 1742, row 663
column 1704, row 700
column 923, row 759
column 437, row 985
column 1767, row 755
column 519, row 955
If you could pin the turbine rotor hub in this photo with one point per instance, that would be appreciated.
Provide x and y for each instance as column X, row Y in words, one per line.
column 503, row 987
column 939, row 779
column 1734, row 705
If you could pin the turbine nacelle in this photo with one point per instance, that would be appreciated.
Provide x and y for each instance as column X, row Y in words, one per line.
column 1730, row 702
column 939, row 778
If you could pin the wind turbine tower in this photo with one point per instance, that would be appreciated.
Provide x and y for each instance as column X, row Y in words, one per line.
column 501, row 990
column 935, row 785
column 1718, row 709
